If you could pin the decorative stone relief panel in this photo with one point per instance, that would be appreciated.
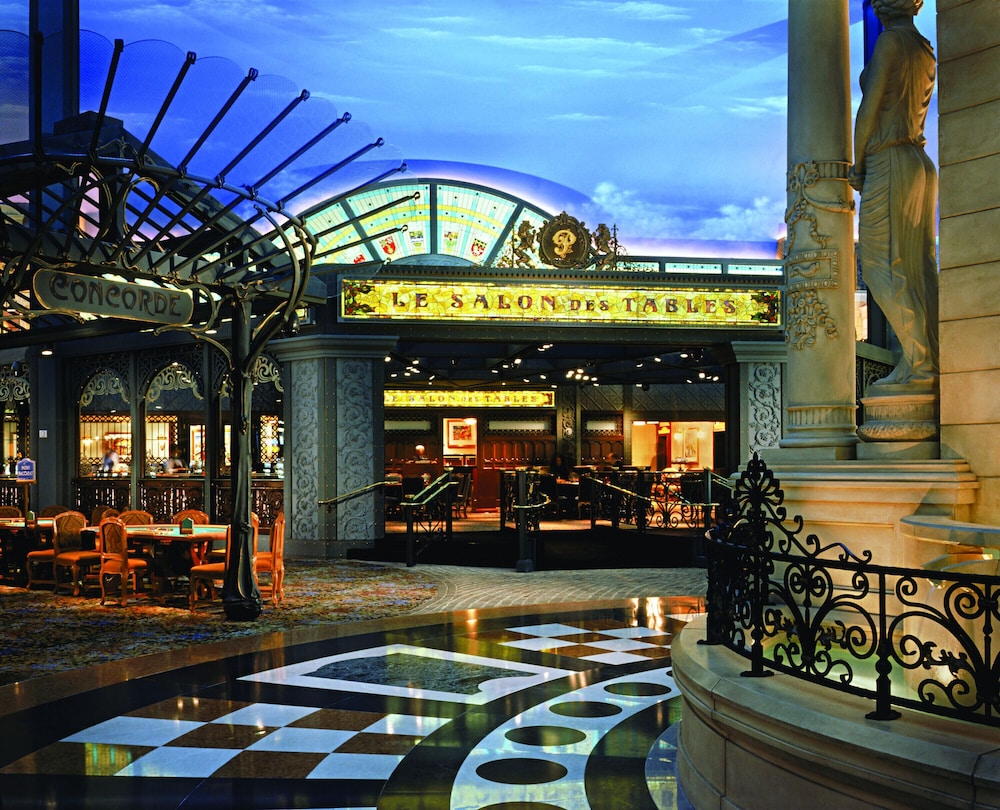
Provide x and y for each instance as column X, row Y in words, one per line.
column 303, row 460
column 763, row 406
column 566, row 427
column 355, row 438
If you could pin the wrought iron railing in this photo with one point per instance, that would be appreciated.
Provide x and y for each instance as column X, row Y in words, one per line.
column 428, row 516
column 428, row 513
column 918, row 639
column 659, row 500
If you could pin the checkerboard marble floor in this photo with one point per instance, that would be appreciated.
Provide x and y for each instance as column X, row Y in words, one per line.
column 534, row 709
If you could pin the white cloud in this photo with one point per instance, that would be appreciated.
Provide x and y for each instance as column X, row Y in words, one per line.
column 635, row 216
column 763, row 219
column 579, row 116
column 417, row 32
column 752, row 107
column 639, row 10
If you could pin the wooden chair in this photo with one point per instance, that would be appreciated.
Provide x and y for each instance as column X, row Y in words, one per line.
column 100, row 512
column 198, row 518
column 463, row 491
column 116, row 562
column 585, row 502
column 53, row 511
column 136, row 517
column 272, row 562
column 209, row 576
column 10, row 512
column 69, row 551
column 42, row 557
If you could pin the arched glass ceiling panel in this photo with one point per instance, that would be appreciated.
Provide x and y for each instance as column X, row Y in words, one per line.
column 146, row 72
column 413, row 214
column 14, row 60
column 336, row 235
column 470, row 221
column 446, row 223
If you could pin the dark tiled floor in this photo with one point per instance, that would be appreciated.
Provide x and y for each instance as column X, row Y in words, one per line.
column 518, row 708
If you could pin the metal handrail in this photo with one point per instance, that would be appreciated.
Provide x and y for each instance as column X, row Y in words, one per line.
column 422, row 518
column 329, row 503
column 430, row 492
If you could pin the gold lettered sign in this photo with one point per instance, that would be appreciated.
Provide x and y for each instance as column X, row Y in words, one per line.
column 430, row 398
column 55, row 289
column 404, row 299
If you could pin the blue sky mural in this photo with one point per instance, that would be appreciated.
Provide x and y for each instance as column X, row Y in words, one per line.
column 666, row 119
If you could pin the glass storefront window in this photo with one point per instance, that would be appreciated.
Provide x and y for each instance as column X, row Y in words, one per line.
column 105, row 429
column 15, row 434
column 175, row 412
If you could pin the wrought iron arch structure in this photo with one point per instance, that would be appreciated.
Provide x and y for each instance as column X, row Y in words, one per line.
column 102, row 233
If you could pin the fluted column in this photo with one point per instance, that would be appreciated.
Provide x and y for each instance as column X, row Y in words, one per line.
column 819, row 263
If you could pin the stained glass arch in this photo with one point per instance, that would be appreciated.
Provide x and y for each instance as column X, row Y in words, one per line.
column 428, row 221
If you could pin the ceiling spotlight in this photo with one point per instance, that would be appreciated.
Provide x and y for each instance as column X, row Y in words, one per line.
column 47, row 350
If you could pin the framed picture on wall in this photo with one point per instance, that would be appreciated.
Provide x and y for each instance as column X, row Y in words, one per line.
column 692, row 443
column 459, row 436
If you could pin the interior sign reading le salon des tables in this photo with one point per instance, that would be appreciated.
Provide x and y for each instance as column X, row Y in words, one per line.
column 489, row 301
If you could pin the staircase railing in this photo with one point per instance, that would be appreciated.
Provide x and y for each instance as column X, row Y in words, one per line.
column 428, row 516
column 428, row 513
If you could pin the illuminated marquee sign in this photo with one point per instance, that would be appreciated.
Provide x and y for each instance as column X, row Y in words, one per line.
column 485, row 301
column 55, row 289
column 469, row 399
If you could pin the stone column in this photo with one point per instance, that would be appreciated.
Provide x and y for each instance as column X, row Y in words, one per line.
column 334, row 440
column 819, row 263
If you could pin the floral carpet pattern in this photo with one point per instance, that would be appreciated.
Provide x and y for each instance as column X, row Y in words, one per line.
column 42, row 633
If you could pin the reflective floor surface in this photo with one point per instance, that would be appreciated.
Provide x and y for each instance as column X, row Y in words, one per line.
column 562, row 707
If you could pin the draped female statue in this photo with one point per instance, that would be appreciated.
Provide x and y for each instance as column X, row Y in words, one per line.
column 898, row 185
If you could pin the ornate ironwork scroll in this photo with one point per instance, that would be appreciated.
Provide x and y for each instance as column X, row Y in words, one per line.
column 919, row 639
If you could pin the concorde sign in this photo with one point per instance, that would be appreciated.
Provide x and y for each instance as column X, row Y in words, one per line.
column 56, row 289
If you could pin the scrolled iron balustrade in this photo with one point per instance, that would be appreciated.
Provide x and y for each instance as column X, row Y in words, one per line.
column 913, row 638
column 658, row 500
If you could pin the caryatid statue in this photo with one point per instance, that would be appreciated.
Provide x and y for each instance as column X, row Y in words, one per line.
column 898, row 185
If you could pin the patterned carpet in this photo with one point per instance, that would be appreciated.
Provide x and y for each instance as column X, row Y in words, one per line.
column 42, row 633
